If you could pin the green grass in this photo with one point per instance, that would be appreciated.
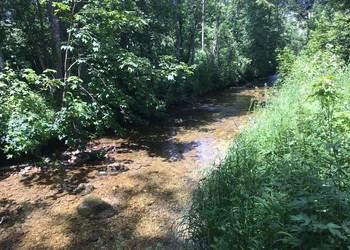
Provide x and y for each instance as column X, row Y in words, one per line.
column 285, row 182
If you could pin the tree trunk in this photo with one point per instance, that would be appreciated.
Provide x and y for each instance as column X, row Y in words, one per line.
column 203, row 22
column 238, row 9
column 236, row 17
column 43, row 56
column 66, row 69
column 56, row 38
column 193, row 30
column 178, row 22
column 179, row 36
column 2, row 60
column 216, row 35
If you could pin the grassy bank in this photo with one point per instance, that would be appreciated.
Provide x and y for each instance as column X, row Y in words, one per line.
column 285, row 182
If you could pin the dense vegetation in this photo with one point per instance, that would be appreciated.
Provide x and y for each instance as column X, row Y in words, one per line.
column 72, row 70
column 285, row 182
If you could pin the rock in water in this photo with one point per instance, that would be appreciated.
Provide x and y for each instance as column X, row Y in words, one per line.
column 94, row 206
column 84, row 188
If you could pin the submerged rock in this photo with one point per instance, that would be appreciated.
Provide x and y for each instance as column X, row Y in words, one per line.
column 84, row 188
column 94, row 206
column 78, row 157
column 112, row 169
column 117, row 167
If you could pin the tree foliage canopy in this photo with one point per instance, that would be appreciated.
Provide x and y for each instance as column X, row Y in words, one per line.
column 98, row 65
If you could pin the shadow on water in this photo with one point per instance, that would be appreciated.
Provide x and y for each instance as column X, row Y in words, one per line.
column 213, row 108
column 11, row 213
column 159, row 138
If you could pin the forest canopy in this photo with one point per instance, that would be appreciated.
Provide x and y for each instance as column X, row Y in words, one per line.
column 72, row 70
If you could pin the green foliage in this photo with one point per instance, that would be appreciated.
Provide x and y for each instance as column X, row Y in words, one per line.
column 285, row 182
column 125, row 86
column 285, row 60
column 331, row 32
column 26, row 116
column 264, row 31
column 30, row 115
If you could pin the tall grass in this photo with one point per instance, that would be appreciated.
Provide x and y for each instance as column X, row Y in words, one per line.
column 285, row 181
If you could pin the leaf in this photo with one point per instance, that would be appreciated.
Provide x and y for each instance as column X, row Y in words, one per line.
column 333, row 229
column 170, row 77
column 300, row 218
column 265, row 3
column 67, row 47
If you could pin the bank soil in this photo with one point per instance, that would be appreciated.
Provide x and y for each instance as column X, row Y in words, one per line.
column 146, row 179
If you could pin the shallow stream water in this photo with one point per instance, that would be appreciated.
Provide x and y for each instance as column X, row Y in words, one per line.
column 166, row 161
column 200, row 127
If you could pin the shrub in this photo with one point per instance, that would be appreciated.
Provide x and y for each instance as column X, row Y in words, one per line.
column 26, row 116
column 31, row 115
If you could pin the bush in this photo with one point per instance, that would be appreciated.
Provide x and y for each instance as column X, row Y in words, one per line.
column 31, row 115
column 26, row 116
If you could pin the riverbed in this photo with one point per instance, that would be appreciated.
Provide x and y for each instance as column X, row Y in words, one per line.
column 162, row 163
